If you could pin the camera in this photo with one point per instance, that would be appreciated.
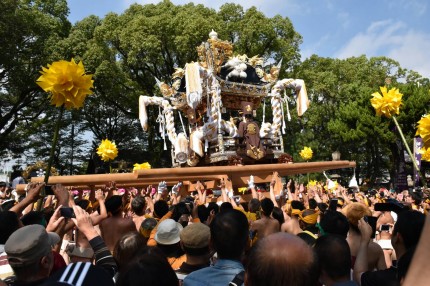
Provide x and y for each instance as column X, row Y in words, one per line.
column 385, row 227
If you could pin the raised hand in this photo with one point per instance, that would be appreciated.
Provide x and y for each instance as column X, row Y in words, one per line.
column 251, row 182
column 162, row 186
column 176, row 188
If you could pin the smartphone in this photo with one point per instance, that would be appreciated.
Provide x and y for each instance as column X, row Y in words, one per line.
column 333, row 205
column 371, row 220
column 48, row 190
column 67, row 212
column 385, row 227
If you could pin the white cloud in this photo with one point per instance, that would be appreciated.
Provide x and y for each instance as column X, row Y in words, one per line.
column 391, row 39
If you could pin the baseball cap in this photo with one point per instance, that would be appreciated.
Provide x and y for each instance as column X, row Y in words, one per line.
column 168, row 232
column 28, row 244
column 195, row 235
column 80, row 274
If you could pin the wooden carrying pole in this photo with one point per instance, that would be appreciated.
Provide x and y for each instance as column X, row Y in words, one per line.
column 238, row 175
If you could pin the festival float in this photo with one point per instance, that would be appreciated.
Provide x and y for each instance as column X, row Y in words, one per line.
column 216, row 99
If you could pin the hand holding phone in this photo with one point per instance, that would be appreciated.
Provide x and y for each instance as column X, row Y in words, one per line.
column 371, row 220
column 67, row 212
column 385, row 227
column 333, row 205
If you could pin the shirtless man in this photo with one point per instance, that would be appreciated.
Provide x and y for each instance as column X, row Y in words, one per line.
column 138, row 211
column 292, row 225
column 266, row 225
column 376, row 258
column 115, row 226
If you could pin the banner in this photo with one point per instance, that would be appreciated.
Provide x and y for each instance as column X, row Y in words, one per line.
column 418, row 144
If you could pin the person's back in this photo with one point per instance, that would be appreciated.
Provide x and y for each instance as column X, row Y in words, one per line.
column 138, row 211
column 266, row 225
column 354, row 212
column 292, row 225
column 229, row 236
column 115, row 226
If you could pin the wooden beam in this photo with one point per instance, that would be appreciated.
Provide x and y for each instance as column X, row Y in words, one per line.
column 238, row 175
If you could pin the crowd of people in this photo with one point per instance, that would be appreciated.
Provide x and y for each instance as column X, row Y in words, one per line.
column 317, row 234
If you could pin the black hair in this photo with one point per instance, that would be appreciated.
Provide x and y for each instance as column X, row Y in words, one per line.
column 213, row 206
column 334, row 256
column 334, row 222
column 9, row 222
column 313, row 204
column 297, row 205
column 203, row 213
column 410, row 225
column 254, row 205
column 149, row 267
column 114, row 204
column 417, row 197
column 225, row 206
column 160, row 208
column 179, row 210
column 229, row 234
column 34, row 217
column 278, row 214
column 138, row 205
column 267, row 206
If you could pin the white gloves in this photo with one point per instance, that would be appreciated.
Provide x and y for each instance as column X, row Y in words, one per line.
column 251, row 182
column 162, row 186
column 176, row 188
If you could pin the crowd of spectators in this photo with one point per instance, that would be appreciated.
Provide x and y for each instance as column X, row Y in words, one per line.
column 319, row 234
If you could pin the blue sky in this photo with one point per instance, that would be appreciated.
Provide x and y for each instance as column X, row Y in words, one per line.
column 399, row 29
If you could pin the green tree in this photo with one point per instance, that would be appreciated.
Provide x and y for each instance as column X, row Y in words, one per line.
column 29, row 31
column 342, row 118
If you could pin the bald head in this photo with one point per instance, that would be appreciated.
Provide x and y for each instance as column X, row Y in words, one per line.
column 281, row 259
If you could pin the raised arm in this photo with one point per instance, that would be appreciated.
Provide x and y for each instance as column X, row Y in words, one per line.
column 272, row 189
column 361, row 261
column 31, row 197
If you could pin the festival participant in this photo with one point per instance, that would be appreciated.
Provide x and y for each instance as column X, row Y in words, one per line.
column 307, row 220
column 195, row 243
column 167, row 238
column 281, row 259
column 253, row 205
column 29, row 253
column 115, row 226
column 149, row 267
column 138, row 211
column 266, row 224
column 354, row 212
column 103, row 258
column 406, row 234
column 229, row 236
column 384, row 227
column 334, row 259
column 333, row 222
column 127, row 247
column 292, row 225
